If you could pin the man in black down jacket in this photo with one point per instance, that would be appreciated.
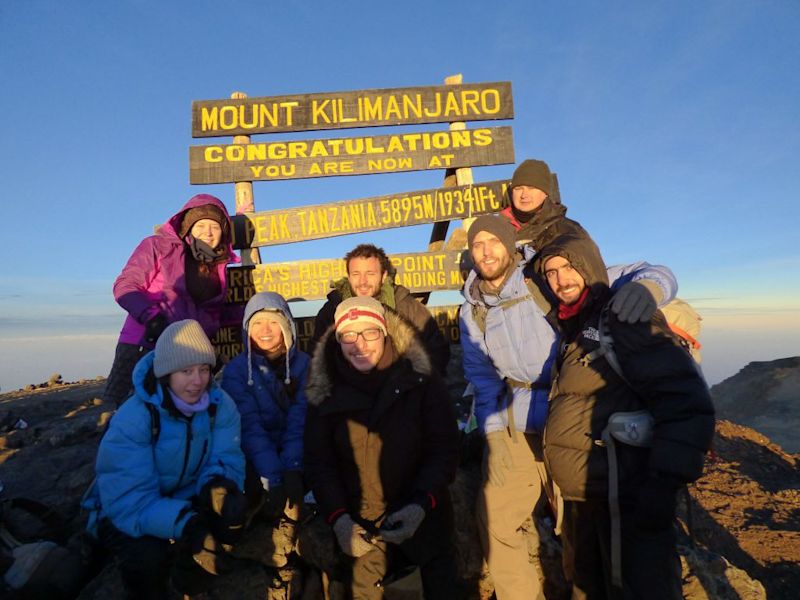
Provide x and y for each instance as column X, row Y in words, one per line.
column 661, row 378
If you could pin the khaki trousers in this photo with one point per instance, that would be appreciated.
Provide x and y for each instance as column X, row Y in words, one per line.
column 501, row 512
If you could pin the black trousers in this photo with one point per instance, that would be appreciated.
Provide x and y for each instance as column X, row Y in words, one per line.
column 650, row 564
column 148, row 564
column 119, row 384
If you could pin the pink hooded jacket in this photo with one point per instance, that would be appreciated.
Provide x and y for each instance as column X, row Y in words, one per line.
column 153, row 279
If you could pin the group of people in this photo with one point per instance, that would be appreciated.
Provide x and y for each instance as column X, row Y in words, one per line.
column 364, row 420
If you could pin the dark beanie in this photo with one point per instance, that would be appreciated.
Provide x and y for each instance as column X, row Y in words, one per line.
column 499, row 227
column 206, row 211
column 533, row 173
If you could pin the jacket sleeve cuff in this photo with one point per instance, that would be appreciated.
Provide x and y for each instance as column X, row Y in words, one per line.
column 334, row 516
column 426, row 500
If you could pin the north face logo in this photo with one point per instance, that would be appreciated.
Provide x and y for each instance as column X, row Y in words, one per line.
column 590, row 333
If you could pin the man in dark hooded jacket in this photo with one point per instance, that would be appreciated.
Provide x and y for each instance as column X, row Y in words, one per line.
column 535, row 213
column 660, row 378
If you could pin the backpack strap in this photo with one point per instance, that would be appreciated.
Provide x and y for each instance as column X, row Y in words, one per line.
column 479, row 311
column 155, row 422
column 606, row 348
column 212, row 416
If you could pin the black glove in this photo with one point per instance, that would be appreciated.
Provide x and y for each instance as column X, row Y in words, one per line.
column 295, row 490
column 226, row 508
column 655, row 505
column 154, row 327
column 198, row 541
column 274, row 500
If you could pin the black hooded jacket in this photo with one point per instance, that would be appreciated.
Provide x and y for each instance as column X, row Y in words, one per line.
column 662, row 378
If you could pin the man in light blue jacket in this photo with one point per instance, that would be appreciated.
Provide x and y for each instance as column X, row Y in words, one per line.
column 508, row 347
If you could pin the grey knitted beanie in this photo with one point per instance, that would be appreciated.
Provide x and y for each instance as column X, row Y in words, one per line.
column 183, row 344
column 533, row 173
column 498, row 227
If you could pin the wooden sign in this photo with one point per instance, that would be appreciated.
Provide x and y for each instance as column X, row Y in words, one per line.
column 311, row 279
column 344, row 110
column 228, row 340
column 311, row 222
column 351, row 156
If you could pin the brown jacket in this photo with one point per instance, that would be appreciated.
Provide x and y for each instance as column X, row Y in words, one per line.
column 372, row 454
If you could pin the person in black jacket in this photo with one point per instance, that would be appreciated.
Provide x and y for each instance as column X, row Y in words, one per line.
column 660, row 378
column 381, row 448
column 370, row 275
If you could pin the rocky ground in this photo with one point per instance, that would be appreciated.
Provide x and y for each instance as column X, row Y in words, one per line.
column 746, row 508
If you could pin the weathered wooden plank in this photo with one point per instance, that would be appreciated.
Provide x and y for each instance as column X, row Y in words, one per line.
column 351, row 109
column 228, row 341
column 318, row 221
column 329, row 157
column 311, row 279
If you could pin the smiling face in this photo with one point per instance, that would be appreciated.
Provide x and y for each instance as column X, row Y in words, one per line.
column 490, row 257
column 567, row 284
column 365, row 276
column 191, row 383
column 527, row 198
column 208, row 231
column 266, row 334
column 364, row 354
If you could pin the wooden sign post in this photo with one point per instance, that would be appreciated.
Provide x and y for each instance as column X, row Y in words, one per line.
column 456, row 150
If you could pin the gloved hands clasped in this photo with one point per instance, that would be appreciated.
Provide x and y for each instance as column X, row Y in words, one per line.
column 203, row 547
column 401, row 525
column 637, row 301
column 351, row 536
column 497, row 459
column 225, row 506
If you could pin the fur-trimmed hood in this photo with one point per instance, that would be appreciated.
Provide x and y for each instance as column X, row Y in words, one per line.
column 406, row 344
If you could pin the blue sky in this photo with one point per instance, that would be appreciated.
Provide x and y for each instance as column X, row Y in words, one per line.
column 673, row 126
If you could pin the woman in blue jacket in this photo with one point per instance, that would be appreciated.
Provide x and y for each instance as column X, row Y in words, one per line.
column 267, row 382
column 170, row 467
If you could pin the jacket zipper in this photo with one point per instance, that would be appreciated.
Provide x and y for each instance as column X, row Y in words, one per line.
column 202, row 457
column 186, row 453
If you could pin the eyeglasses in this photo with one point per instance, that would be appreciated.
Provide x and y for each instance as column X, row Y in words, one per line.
column 369, row 335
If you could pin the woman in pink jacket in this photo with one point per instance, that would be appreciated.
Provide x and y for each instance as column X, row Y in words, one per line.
column 176, row 274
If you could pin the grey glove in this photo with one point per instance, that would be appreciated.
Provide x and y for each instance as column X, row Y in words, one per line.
column 498, row 458
column 350, row 536
column 403, row 524
column 637, row 301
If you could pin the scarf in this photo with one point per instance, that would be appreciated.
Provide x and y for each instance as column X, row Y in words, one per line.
column 205, row 254
column 567, row 311
column 186, row 409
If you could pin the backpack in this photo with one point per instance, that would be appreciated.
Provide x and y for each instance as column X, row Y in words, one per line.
column 35, row 561
column 684, row 322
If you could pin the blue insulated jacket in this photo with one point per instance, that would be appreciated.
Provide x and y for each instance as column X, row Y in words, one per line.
column 272, row 417
column 145, row 488
column 520, row 344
